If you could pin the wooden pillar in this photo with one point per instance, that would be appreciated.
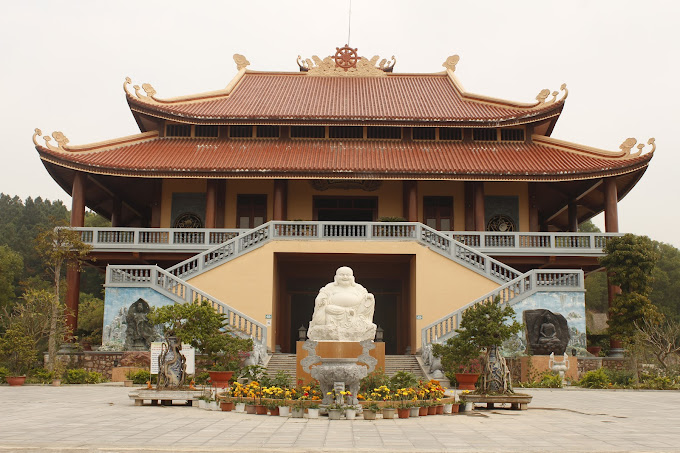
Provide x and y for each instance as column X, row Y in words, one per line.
column 533, row 209
column 469, row 191
column 280, row 198
column 210, row 203
column 573, row 217
column 479, row 206
column 72, row 274
column 157, row 188
column 116, row 213
column 221, row 201
column 611, row 214
column 410, row 193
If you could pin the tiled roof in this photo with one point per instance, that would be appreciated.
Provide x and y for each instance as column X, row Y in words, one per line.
column 337, row 159
column 396, row 97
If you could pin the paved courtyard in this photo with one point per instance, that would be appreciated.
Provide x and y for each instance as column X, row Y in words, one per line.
column 102, row 418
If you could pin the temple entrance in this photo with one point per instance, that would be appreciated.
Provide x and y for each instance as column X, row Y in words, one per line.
column 300, row 276
column 344, row 209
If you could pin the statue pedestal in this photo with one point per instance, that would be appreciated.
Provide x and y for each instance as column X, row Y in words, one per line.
column 340, row 350
column 540, row 363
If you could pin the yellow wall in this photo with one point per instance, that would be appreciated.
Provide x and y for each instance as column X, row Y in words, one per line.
column 516, row 188
column 247, row 283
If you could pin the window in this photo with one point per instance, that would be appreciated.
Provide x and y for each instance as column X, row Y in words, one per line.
column 240, row 131
column 267, row 131
column 308, row 131
column 484, row 135
column 438, row 213
column 207, row 131
column 178, row 130
column 450, row 133
column 424, row 133
column 346, row 132
column 385, row 132
column 512, row 135
column 251, row 210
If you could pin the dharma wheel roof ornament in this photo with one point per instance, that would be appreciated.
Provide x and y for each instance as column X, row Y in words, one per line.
column 346, row 62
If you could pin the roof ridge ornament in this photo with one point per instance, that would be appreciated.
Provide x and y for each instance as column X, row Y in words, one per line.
column 241, row 61
column 451, row 62
column 58, row 136
column 346, row 62
column 628, row 144
column 542, row 96
column 148, row 89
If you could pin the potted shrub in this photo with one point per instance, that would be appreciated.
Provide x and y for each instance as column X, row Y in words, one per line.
column 18, row 352
column 371, row 410
column 484, row 327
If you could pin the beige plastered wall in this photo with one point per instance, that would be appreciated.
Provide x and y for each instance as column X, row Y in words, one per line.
column 247, row 283
column 517, row 188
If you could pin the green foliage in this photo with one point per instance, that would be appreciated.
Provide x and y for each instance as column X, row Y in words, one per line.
column 597, row 293
column 596, row 379
column 373, row 380
column 666, row 282
column 199, row 325
column 11, row 267
column 630, row 261
column 82, row 376
column 201, row 378
column 17, row 351
column 41, row 376
column 626, row 309
column 280, row 379
column 4, row 372
column 588, row 227
column 482, row 326
column 549, row 379
column 94, row 220
column 90, row 318
column 139, row 376
column 403, row 379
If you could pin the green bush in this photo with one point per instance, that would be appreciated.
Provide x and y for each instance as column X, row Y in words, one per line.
column 94, row 377
column 3, row 373
column 139, row 377
column 374, row 380
column 596, row 379
column 75, row 376
column 201, row 378
column 620, row 378
column 404, row 379
column 41, row 376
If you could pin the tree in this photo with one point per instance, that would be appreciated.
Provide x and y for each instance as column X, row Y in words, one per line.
column 665, row 293
column 59, row 248
column 90, row 318
column 630, row 261
column 663, row 338
column 11, row 266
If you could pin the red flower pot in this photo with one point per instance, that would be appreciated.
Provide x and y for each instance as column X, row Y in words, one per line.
column 423, row 411
column 260, row 409
column 227, row 406
column 440, row 409
column 274, row 411
column 403, row 412
column 454, row 408
column 15, row 380
column 220, row 379
column 466, row 381
column 432, row 410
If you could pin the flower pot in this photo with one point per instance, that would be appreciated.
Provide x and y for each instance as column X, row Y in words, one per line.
column 334, row 414
column 227, row 406
column 313, row 413
column 220, row 379
column 260, row 409
column 432, row 410
column 454, row 408
column 467, row 407
column 297, row 413
column 56, row 382
column 594, row 350
column 403, row 412
column 274, row 411
column 250, row 408
column 214, row 406
column 369, row 415
column 127, row 383
column 284, row 411
column 202, row 404
column 240, row 407
column 448, row 408
column 15, row 380
column 466, row 381
column 440, row 409
column 414, row 411
column 350, row 414
column 423, row 411
column 388, row 412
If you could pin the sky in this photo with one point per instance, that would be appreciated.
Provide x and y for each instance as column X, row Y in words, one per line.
column 64, row 64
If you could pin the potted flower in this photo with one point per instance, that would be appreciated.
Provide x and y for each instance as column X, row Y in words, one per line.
column 18, row 351
column 404, row 397
column 336, row 408
column 313, row 409
column 238, row 393
column 371, row 410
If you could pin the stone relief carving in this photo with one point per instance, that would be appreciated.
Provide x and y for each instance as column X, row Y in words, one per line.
column 343, row 310
column 140, row 332
column 547, row 332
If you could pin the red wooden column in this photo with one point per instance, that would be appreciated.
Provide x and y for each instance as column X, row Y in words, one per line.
column 479, row 206
column 280, row 199
column 410, row 190
column 210, row 203
column 116, row 220
column 573, row 217
column 72, row 274
column 533, row 208
column 611, row 225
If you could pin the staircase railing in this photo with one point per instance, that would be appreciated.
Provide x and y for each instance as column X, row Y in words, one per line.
column 136, row 239
column 510, row 293
column 178, row 290
column 286, row 230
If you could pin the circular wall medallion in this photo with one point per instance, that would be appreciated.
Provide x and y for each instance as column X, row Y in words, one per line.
column 501, row 223
column 188, row 220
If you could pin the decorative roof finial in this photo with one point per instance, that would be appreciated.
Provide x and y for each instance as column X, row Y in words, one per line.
column 628, row 144
column 148, row 89
column 346, row 62
column 542, row 96
column 451, row 63
column 58, row 136
column 241, row 61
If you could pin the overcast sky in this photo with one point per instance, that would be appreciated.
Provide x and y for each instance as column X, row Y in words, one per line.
column 64, row 63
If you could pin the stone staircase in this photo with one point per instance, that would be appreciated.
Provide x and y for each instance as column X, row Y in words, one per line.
column 393, row 363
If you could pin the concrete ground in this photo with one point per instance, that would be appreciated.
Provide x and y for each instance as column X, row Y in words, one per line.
column 101, row 418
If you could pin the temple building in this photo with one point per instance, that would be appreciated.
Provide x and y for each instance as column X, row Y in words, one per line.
column 253, row 195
